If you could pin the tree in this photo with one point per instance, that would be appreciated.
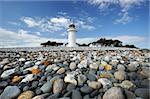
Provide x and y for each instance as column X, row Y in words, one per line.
column 49, row 43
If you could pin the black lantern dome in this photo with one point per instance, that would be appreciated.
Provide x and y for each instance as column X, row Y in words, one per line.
column 72, row 25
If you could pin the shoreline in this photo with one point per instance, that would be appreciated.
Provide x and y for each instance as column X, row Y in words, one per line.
column 33, row 49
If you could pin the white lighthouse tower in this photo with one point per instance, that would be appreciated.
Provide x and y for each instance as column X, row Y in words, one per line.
column 71, row 36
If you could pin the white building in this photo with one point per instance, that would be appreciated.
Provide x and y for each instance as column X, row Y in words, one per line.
column 71, row 36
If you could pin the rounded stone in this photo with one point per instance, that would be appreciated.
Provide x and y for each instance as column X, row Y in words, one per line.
column 21, row 59
column 145, row 83
column 94, row 93
column 81, row 79
column 35, row 71
column 120, row 67
column 86, row 97
column 143, row 92
column 108, row 67
column 70, row 87
column 46, row 87
column 29, row 77
column 58, row 86
column 35, row 84
column 86, row 89
column 120, row 75
column 38, row 91
column 76, row 94
column 72, row 65
column 38, row 97
column 94, row 66
column 105, row 82
column 3, row 84
column 7, row 73
column 127, row 84
column 133, row 66
column 10, row 92
column 82, row 64
column 130, row 95
column 61, row 71
column 26, row 88
column 113, row 93
column 103, row 63
column 16, row 79
column 114, row 62
column 91, row 76
column 26, row 95
column 70, row 79
column 94, row 84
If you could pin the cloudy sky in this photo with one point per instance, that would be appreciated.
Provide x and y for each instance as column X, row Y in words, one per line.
column 26, row 23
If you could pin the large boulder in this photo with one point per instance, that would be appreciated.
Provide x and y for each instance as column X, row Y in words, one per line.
column 58, row 86
column 113, row 93
column 142, row 92
column 10, row 92
column 46, row 87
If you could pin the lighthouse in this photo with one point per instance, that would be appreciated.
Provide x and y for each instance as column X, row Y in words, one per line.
column 72, row 36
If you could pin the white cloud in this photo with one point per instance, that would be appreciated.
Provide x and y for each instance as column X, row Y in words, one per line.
column 38, row 33
column 23, row 38
column 62, row 13
column 102, row 4
column 124, row 19
column 128, row 39
column 125, row 5
column 84, row 25
column 60, row 21
column 56, row 24
column 30, row 21
column 64, row 34
column 14, row 23
column 22, row 32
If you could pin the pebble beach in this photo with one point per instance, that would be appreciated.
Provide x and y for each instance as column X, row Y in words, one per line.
column 87, row 74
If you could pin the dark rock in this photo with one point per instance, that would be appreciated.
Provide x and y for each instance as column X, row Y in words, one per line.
column 26, row 88
column 86, row 97
column 99, row 97
column 64, row 98
column 25, row 72
column 91, row 76
column 94, row 93
column 86, row 89
column 145, row 83
column 3, row 84
column 54, row 96
column 142, row 92
column 70, row 87
column 76, row 94
column 34, row 84
column 47, row 87
column 132, row 75
column 68, row 94
column 22, row 85
column 129, row 94
column 38, row 91
column 43, row 78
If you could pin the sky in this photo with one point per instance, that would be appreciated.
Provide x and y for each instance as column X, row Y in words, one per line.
column 27, row 23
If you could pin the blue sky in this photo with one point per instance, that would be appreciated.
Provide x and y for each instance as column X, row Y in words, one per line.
column 28, row 23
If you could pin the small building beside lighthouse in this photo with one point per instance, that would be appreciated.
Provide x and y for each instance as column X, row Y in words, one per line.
column 72, row 36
